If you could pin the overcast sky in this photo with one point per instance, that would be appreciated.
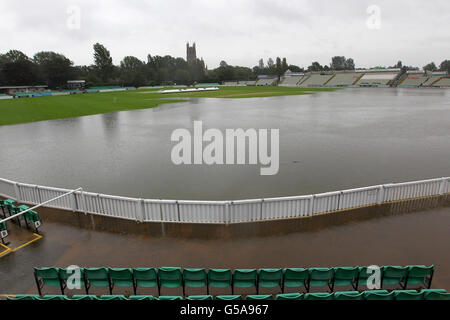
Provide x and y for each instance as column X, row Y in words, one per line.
column 237, row 31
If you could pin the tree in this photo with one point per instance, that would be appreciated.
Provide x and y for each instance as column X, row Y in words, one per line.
column 295, row 68
column 223, row 64
column 132, row 71
column 261, row 64
column 349, row 64
column 284, row 65
column 270, row 63
column 315, row 66
column 54, row 68
column 103, row 62
column 430, row 67
column 338, row 63
column 18, row 69
column 445, row 66
column 278, row 68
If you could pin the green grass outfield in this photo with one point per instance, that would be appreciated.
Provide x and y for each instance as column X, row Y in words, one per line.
column 14, row 111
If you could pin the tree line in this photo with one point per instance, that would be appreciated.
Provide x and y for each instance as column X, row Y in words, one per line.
column 54, row 69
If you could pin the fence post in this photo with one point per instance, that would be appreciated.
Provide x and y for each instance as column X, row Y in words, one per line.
column 380, row 194
column 443, row 186
column 74, row 202
column 261, row 209
column 38, row 191
column 231, row 211
column 17, row 191
column 83, row 201
column 311, row 206
column 340, row 200
column 227, row 213
column 141, row 210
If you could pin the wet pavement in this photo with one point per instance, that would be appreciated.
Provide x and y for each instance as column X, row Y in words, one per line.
column 420, row 237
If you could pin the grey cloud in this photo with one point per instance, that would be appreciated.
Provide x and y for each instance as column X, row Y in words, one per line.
column 238, row 31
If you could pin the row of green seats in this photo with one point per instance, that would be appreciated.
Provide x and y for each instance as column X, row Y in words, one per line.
column 425, row 294
column 8, row 206
column 169, row 277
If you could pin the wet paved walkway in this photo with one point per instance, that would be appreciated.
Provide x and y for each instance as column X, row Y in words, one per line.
column 421, row 237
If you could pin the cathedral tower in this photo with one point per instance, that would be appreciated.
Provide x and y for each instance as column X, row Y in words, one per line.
column 191, row 53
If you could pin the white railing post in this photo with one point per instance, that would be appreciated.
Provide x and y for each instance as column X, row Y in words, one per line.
column 380, row 194
column 141, row 210
column 227, row 213
column 73, row 199
column 311, row 206
column 443, row 186
column 17, row 191
column 261, row 210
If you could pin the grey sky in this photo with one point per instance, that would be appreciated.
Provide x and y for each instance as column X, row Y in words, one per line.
column 237, row 31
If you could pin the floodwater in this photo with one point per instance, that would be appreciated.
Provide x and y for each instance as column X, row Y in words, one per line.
column 328, row 141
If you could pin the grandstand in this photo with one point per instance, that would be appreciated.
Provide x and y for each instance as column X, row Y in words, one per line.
column 413, row 79
column 344, row 79
column 266, row 82
column 375, row 78
column 443, row 83
column 5, row 96
column 291, row 81
column 315, row 80
column 433, row 78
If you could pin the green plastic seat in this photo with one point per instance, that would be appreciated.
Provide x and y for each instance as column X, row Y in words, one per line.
column 319, row 277
column 407, row 295
column 419, row 275
column 435, row 294
column 348, row 295
column 363, row 276
column 270, row 278
column 345, row 276
column 64, row 276
column 170, row 277
column 146, row 277
column 97, row 277
column 318, row 296
column 229, row 297
column 113, row 297
column 170, row 298
column 220, row 278
column 295, row 277
column 23, row 297
column 205, row 297
column 393, row 276
column 55, row 297
column 47, row 276
column 121, row 277
column 378, row 295
column 195, row 278
column 138, row 298
column 84, row 297
column 289, row 296
column 259, row 297
column 9, row 204
column 245, row 278
column 31, row 216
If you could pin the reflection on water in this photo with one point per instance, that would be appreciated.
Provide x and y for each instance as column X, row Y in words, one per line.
column 328, row 141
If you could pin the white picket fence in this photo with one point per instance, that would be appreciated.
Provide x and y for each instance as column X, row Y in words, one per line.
column 222, row 212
